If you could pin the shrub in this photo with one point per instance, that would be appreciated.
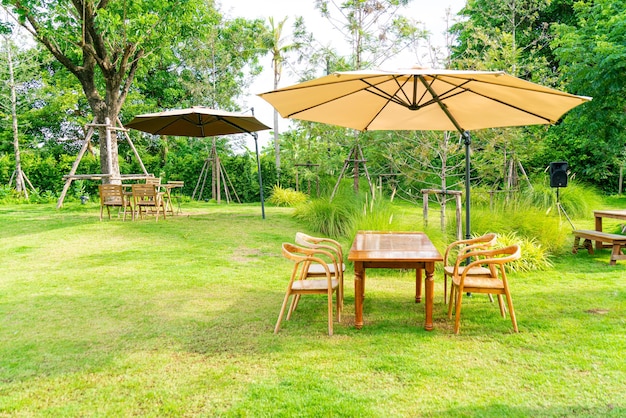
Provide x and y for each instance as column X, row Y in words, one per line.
column 534, row 255
column 286, row 197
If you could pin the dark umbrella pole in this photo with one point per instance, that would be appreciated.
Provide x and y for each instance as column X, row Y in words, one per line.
column 258, row 164
column 467, row 139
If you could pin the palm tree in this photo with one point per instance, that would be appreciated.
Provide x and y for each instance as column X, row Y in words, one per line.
column 279, row 48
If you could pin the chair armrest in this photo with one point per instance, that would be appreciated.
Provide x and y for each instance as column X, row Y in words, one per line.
column 490, row 257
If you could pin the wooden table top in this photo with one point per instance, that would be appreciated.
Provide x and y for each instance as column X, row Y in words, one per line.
column 393, row 246
column 611, row 213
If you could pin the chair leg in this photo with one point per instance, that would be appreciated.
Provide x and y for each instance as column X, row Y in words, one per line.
column 501, row 304
column 293, row 306
column 457, row 320
column 445, row 288
column 339, row 305
column 452, row 292
column 511, row 311
column 282, row 312
column 330, row 312
column 341, row 289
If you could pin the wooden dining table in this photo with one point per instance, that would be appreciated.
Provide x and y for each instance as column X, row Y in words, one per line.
column 394, row 250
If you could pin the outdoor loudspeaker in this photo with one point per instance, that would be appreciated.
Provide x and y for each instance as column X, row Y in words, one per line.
column 558, row 174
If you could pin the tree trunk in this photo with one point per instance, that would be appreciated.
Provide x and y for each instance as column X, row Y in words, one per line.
column 20, row 185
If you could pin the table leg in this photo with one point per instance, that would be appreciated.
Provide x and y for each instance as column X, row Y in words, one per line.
column 359, row 280
column 599, row 228
column 168, row 198
column 430, row 290
column 418, row 285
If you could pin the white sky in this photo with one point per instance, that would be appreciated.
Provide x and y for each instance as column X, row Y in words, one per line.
column 430, row 12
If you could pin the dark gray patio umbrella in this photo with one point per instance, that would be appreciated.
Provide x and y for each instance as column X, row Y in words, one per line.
column 200, row 121
column 423, row 99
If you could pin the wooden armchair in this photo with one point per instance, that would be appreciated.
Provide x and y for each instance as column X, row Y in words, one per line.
column 458, row 249
column 300, row 282
column 112, row 195
column 332, row 247
column 146, row 196
column 153, row 180
column 493, row 281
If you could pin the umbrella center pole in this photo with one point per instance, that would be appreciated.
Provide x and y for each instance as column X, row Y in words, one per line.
column 467, row 141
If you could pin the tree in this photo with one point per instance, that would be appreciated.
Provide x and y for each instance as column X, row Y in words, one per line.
column 373, row 28
column 592, row 58
column 279, row 49
column 504, row 35
column 19, row 65
column 102, row 44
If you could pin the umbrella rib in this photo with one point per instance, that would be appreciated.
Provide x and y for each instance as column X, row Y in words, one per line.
column 443, row 107
column 375, row 90
column 468, row 89
column 167, row 125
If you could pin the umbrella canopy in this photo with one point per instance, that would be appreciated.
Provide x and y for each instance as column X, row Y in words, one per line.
column 423, row 99
column 200, row 121
column 196, row 121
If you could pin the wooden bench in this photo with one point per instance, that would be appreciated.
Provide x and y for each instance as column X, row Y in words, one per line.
column 618, row 242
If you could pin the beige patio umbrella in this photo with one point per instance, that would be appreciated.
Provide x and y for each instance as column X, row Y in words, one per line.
column 196, row 121
column 423, row 99
column 200, row 121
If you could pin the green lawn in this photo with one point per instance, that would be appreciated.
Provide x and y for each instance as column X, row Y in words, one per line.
column 176, row 318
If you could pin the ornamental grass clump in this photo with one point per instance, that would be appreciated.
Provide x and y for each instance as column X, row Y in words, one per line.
column 534, row 255
column 286, row 197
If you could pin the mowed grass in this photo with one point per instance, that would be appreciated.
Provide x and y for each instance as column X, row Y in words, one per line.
column 176, row 318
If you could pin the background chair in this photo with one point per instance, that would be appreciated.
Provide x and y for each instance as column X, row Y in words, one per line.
column 457, row 249
column 112, row 195
column 332, row 247
column 146, row 196
column 153, row 180
column 494, row 281
column 300, row 282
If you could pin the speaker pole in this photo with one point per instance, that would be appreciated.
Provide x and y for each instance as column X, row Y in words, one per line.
column 560, row 208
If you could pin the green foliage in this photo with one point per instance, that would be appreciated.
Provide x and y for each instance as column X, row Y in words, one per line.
column 533, row 214
column 286, row 197
column 592, row 57
column 375, row 215
column 534, row 255
column 577, row 200
column 330, row 218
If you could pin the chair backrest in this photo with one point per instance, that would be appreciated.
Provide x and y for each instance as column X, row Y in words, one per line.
column 111, row 194
column 320, row 243
column 153, row 180
column 303, row 257
column 144, row 194
column 496, row 256
column 465, row 245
